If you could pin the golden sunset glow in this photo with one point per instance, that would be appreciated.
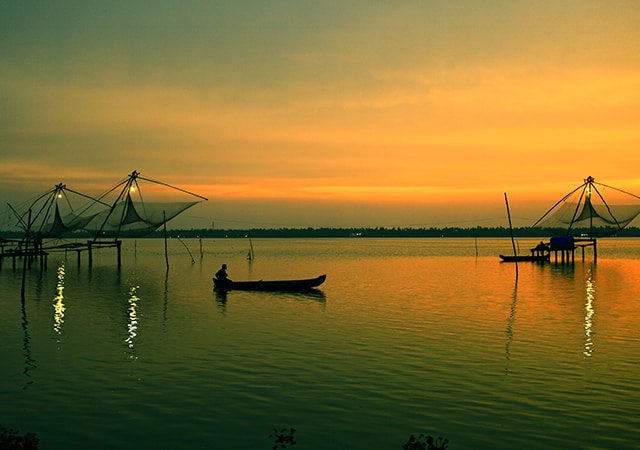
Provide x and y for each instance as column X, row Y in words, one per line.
column 325, row 114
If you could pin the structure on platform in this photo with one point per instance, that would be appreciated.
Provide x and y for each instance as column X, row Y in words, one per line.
column 120, row 212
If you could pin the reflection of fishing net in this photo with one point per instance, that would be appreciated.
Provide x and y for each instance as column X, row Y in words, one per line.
column 61, row 211
column 585, row 212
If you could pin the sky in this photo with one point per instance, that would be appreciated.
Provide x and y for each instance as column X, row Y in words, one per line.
column 324, row 113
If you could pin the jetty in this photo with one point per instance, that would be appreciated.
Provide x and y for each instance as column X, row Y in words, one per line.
column 579, row 219
column 15, row 251
column 564, row 248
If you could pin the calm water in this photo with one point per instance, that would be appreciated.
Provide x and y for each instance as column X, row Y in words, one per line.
column 406, row 336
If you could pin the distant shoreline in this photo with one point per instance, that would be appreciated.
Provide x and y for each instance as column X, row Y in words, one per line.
column 381, row 232
column 363, row 232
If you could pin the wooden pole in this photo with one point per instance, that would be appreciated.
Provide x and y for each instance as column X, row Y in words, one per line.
column 90, row 252
column 166, row 251
column 250, row 248
column 515, row 254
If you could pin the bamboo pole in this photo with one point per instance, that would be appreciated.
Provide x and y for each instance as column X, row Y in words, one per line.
column 166, row 251
column 513, row 243
column 251, row 255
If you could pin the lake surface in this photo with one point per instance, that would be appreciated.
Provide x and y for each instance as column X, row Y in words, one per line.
column 406, row 336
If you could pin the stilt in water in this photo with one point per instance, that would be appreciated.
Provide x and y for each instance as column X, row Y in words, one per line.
column 166, row 251
column 250, row 255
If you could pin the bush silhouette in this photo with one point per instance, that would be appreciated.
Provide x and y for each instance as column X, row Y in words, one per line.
column 12, row 440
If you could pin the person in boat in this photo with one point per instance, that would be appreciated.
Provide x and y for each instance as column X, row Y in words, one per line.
column 541, row 248
column 221, row 274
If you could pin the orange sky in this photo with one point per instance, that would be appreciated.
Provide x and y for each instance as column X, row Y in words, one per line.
column 408, row 113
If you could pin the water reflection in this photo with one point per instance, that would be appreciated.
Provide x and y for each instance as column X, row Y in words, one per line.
column 509, row 331
column 133, row 318
column 165, row 305
column 29, row 363
column 58, row 301
column 221, row 300
column 589, row 313
column 315, row 296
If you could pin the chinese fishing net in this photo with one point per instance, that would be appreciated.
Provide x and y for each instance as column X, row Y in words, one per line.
column 586, row 212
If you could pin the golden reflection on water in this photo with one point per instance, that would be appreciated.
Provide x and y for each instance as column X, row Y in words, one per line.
column 588, row 316
column 509, row 331
column 58, row 301
column 133, row 316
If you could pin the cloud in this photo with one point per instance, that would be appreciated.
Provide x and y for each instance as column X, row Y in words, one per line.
column 389, row 102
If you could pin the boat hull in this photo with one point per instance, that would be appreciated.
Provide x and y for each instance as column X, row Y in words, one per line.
column 270, row 285
column 512, row 258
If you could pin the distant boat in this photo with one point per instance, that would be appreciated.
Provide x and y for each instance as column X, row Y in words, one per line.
column 272, row 285
column 512, row 258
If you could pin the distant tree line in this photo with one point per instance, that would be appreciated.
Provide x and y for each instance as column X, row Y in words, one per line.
column 381, row 232
column 365, row 232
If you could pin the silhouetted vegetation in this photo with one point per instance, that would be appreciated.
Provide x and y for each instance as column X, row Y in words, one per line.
column 379, row 232
column 423, row 442
column 283, row 438
column 12, row 440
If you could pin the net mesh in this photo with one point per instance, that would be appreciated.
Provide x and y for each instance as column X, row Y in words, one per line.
column 586, row 212
column 134, row 219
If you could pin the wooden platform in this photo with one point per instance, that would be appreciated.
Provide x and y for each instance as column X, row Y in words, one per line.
column 563, row 251
column 567, row 253
column 15, row 250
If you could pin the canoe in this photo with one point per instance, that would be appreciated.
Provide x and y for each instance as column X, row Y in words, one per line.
column 269, row 285
column 512, row 258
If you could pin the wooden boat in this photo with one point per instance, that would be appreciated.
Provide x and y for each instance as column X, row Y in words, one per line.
column 269, row 285
column 512, row 258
